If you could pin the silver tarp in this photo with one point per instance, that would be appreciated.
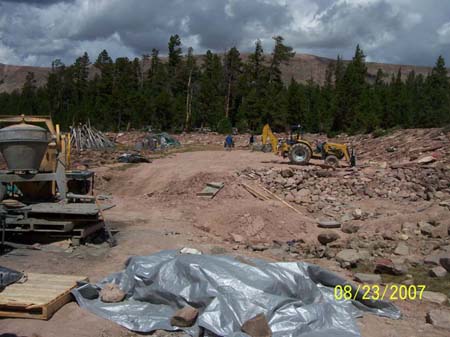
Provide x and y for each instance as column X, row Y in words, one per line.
column 297, row 298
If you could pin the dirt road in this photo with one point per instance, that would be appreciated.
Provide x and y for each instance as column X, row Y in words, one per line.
column 157, row 208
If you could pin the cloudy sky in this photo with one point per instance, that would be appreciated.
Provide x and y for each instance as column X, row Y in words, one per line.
column 35, row 32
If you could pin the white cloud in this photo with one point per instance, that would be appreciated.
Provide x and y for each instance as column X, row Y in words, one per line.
column 403, row 31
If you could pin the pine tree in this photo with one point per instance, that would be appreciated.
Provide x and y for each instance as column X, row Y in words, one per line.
column 232, row 65
column 437, row 87
column 281, row 54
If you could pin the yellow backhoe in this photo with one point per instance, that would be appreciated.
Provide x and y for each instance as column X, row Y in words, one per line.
column 300, row 151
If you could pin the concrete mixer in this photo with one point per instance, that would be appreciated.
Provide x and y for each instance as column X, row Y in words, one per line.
column 38, row 192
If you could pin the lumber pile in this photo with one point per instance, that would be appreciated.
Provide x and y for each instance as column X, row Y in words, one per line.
column 85, row 137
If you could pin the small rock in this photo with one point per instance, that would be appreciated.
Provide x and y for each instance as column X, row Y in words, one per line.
column 445, row 203
column 349, row 257
column 287, row 173
column 426, row 160
column 303, row 193
column 439, row 318
column 257, row 327
column 434, row 297
column 445, row 262
column 184, row 317
column 387, row 266
column 402, row 249
column 403, row 237
column 438, row 272
column 111, row 293
column 325, row 238
column 357, row 214
column 350, row 228
column 107, row 177
column 259, row 247
column 329, row 224
column 432, row 260
column 367, row 278
column 237, row 238
column 192, row 251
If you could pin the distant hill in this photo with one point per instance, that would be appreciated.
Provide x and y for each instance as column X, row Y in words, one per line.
column 302, row 68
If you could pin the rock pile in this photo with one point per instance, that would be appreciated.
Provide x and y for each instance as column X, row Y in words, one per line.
column 314, row 185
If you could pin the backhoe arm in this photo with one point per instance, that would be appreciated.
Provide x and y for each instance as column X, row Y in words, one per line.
column 267, row 135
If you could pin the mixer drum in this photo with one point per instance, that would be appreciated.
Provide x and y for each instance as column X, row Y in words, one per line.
column 23, row 146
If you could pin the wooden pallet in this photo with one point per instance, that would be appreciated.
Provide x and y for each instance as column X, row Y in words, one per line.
column 39, row 297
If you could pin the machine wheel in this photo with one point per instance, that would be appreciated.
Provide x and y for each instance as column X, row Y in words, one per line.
column 332, row 161
column 300, row 154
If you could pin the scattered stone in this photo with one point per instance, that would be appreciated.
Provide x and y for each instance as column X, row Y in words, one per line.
column 192, row 251
column 434, row 297
column 303, row 193
column 402, row 249
column 388, row 236
column 350, row 257
column 387, row 266
column 287, row 173
column 445, row 203
column 237, row 238
column 257, row 327
column 426, row 160
column 107, row 177
column 445, row 262
column 184, row 317
column 439, row 318
column 367, row 278
column 357, row 214
column 325, row 238
column 259, row 247
column 350, row 228
column 403, row 237
column 438, row 272
column 111, row 293
column 432, row 260
column 329, row 224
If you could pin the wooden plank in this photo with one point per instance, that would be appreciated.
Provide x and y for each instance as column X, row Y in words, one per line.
column 72, row 209
column 39, row 297
column 211, row 190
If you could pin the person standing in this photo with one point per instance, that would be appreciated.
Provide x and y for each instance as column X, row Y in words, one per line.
column 229, row 144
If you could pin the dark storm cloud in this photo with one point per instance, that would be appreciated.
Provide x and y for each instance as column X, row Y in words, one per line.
column 36, row 2
column 401, row 31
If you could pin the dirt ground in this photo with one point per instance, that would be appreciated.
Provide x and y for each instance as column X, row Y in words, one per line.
column 157, row 208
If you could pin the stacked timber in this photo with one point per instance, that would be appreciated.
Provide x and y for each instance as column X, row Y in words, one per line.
column 85, row 137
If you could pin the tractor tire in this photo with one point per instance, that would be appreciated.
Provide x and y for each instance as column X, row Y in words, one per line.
column 332, row 161
column 300, row 154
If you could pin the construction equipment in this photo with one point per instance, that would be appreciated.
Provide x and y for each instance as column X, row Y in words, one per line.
column 300, row 151
column 44, row 197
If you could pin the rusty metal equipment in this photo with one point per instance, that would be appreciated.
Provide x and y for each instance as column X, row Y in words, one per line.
column 44, row 196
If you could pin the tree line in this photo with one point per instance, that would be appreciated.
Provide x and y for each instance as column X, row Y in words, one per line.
column 183, row 92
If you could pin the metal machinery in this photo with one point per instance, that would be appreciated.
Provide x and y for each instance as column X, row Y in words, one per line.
column 38, row 194
column 300, row 151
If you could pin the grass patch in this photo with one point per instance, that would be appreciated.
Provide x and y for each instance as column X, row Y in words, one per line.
column 420, row 276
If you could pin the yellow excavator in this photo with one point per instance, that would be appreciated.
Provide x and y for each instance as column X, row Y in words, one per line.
column 300, row 151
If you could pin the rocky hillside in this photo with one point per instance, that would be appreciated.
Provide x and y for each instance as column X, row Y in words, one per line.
column 303, row 67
